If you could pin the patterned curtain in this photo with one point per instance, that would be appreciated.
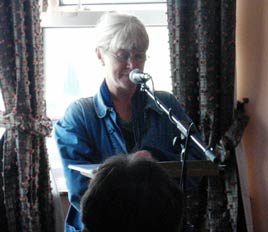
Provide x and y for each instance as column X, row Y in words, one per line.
column 202, row 44
column 25, row 192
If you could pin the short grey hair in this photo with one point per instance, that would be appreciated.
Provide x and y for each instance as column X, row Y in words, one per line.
column 121, row 31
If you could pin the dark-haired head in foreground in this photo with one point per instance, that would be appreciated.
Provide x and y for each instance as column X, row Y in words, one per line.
column 132, row 194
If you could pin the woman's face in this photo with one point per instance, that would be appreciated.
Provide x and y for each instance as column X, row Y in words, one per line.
column 118, row 65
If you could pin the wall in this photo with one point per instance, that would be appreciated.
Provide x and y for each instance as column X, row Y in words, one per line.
column 252, row 82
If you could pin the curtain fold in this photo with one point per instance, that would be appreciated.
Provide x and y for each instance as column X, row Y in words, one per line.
column 25, row 192
column 202, row 47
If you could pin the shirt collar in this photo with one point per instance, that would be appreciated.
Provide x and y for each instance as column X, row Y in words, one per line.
column 103, row 101
column 105, row 94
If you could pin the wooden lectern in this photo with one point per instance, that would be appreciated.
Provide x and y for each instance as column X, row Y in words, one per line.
column 194, row 168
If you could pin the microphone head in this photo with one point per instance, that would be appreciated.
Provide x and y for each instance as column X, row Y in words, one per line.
column 138, row 77
column 134, row 74
column 135, row 70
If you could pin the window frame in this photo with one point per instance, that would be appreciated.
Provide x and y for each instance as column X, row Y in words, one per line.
column 110, row 2
column 86, row 18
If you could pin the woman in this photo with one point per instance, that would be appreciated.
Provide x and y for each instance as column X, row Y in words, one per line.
column 119, row 119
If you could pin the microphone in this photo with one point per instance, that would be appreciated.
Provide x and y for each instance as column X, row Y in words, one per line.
column 138, row 77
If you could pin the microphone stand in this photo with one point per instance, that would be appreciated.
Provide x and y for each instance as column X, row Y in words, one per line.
column 186, row 132
column 184, row 157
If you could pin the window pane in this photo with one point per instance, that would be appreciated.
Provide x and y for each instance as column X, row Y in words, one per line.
column 72, row 69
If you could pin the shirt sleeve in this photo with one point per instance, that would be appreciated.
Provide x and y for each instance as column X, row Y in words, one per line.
column 73, row 142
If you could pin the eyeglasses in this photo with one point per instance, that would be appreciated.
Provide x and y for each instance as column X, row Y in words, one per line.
column 124, row 57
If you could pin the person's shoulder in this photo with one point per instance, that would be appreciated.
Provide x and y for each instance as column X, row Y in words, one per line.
column 85, row 102
column 78, row 112
column 79, row 108
column 165, row 95
column 170, row 100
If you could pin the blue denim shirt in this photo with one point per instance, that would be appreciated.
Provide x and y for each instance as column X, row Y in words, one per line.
column 89, row 133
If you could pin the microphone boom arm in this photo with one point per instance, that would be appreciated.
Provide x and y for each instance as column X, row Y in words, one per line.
column 206, row 150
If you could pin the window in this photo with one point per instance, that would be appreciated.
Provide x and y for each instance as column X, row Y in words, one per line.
column 71, row 66
column 97, row 2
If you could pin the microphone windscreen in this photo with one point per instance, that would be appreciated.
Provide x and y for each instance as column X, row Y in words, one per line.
column 134, row 74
